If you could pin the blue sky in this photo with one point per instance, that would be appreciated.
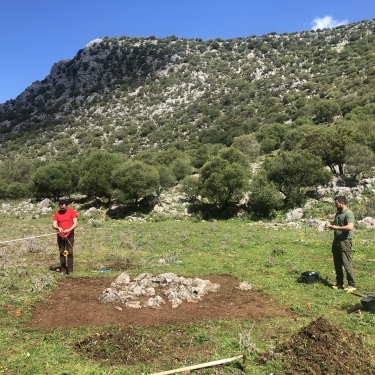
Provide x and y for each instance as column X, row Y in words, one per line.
column 34, row 34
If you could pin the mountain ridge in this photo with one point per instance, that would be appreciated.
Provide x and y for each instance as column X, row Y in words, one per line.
column 132, row 94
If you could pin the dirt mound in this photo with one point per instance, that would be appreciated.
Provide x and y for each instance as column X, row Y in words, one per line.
column 157, row 346
column 321, row 348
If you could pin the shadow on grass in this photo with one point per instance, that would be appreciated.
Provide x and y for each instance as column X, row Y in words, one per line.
column 207, row 211
column 143, row 207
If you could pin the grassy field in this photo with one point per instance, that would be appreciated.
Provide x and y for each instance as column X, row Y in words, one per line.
column 271, row 256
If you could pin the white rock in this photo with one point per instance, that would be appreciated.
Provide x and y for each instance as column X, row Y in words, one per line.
column 122, row 279
column 45, row 203
column 159, row 208
column 45, row 210
column 110, row 295
column 294, row 215
column 316, row 223
column 155, row 303
column 133, row 305
column 244, row 285
column 367, row 222
column 90, row 211
column 310, row 203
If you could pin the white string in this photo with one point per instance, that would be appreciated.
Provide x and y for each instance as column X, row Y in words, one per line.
column 27, row 238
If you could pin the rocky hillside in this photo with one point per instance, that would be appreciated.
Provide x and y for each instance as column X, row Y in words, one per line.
column 130, row 94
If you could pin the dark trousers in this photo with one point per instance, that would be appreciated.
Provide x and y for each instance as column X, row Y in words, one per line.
column 342, row 258
column 66, row 243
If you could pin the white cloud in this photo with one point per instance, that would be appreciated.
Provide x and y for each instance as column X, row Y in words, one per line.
column 326, row 22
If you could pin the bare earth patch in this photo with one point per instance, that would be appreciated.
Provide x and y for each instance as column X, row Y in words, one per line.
column 166, row 338
column 78, row 298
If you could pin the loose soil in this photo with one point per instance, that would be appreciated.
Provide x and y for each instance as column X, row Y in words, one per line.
column 167, row 338
column 323, row 349
column 78, row 298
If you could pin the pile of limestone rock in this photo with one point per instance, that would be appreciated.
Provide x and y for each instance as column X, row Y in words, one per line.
column 146, row 290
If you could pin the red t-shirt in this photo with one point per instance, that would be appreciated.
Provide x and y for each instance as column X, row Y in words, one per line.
column 65, row 220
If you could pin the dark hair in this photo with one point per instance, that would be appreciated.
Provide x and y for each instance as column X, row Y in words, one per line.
column 63, row 201
column 340, row 199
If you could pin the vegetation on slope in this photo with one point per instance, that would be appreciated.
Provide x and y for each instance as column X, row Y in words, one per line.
column 133, row 97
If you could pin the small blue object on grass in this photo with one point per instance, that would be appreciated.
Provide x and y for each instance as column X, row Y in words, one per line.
column 101, row 271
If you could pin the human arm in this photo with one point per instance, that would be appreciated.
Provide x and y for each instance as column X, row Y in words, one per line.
column 343, row 222
column 55, row 225
column 348, row 227
column 74, row 225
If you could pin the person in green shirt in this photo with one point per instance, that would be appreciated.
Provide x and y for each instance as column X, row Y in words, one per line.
column 342, row 225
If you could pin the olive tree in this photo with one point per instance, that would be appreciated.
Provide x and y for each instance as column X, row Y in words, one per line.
column 95, row 174
column 358, row 159
column 265, row 198
column 248, row 144
column 52, row 180
column 135, row 179
column 224, row 178
column 294, row 171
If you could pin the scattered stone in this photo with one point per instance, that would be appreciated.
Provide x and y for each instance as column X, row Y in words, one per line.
column 162, row 261
column 293, row 224
column 316, row 223
column 155, row 303
column 120, row 280
column 244, row 285
column 110, row 295
column 133, row 305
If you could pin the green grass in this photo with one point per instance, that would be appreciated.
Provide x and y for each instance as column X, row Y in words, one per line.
column 269, row 255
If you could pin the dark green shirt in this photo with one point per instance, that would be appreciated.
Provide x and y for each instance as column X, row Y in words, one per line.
column 342, row 218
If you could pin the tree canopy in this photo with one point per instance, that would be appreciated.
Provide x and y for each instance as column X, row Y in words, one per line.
column 136, row 179
column 224, row 178
column 293, row 171
column 53, row 180
column 95, row 173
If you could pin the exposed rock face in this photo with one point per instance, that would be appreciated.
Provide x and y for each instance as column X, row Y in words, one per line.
column 316, row 223
column 294, row 215
column 121, row 87
column 367, row 222
column 27, row 210
column 90, row 211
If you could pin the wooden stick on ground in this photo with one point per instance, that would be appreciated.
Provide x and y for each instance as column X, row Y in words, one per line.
column 356, row 294
column 207, row 364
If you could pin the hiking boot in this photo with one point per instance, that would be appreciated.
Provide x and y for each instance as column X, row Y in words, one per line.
column 350, row 288
column 336, row 287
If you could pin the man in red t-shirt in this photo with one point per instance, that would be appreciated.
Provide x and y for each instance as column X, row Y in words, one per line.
column 64, row 221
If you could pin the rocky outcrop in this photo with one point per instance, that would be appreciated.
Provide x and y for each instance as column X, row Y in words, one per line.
column 367, row 222
column 27, row 209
